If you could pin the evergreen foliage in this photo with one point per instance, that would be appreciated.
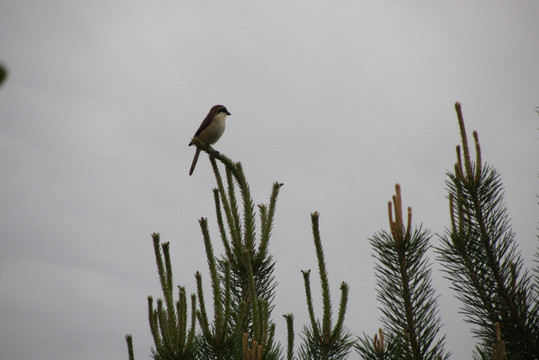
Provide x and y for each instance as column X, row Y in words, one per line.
column 168, row 323
column 378, row 348
column 242, row 281
column 322, row 340
column 478, row 252
column 246, row 269
column 480, row 257
column 405, row 292
column 290, row 337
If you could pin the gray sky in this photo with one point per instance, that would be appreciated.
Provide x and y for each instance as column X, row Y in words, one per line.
column 338, row 101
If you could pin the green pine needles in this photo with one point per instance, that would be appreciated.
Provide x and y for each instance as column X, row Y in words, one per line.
column 173, row 333
column 478, row 252
column 242, row 282
column 480, row 257
column 321, row 340
column 405, row 292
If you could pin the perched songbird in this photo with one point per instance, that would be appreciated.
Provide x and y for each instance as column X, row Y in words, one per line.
column 210, row 130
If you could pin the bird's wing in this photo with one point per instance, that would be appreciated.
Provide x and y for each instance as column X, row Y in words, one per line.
column 204, row 125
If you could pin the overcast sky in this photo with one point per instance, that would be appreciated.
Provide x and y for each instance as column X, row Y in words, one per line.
column 337, row 100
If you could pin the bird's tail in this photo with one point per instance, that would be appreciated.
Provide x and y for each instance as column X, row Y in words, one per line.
column 195, row 159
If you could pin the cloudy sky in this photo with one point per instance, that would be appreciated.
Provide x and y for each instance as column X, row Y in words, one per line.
column 337, row 100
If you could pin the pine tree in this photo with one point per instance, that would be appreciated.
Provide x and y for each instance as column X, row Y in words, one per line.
column 242, row 282
column 405, row 291
column 478, row 252
column 480, row 257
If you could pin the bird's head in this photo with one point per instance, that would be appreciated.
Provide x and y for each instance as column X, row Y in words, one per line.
column 219, row 109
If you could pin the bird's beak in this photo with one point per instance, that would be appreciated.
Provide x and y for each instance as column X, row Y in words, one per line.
column 228, row 113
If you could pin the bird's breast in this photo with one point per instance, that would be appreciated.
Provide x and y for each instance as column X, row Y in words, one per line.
column 213, row 132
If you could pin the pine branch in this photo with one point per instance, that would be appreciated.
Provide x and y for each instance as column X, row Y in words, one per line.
column 290, row 336
column 267, row 216
column 498, row 348
column 246, row 268
column 168, row 323
column 405, row 291
column 320, row 340
column 481, row 259
column 220, row 223
column 379, row 347
column 216, row 341
column 129, row 340
column 202, row 315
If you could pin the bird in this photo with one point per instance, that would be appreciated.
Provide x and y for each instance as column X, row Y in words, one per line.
column 211, row 129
